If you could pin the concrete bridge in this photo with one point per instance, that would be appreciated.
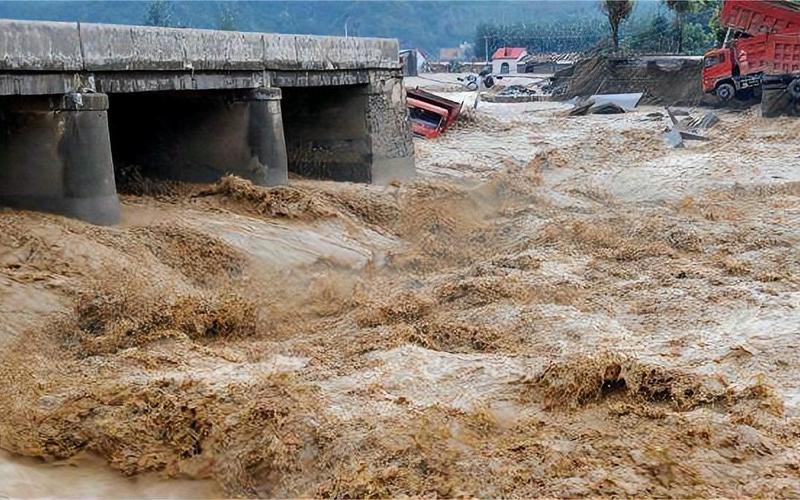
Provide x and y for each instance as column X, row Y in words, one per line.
column 77, row 99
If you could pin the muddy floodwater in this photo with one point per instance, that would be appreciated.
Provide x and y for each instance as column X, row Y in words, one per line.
column 555, row 307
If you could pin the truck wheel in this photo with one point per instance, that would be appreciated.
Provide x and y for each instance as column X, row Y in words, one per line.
column 725, row 92
column 794, row 88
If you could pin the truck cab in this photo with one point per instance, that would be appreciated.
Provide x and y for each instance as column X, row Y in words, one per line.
column 736, row 69
column 717, row 68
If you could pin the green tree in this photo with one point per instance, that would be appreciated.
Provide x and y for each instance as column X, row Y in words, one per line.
column 228, row 17
column 652, row 37
column 696, row 39
column 159, row 13
column 616, row 11
column 572, row 36
column 681, row 8
column 715, row 6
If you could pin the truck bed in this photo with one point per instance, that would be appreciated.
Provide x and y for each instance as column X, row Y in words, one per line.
column 770, row 53
column 760, row 16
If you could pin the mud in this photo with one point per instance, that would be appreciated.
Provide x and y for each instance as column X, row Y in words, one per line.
column 666, row 80
column 556, row 307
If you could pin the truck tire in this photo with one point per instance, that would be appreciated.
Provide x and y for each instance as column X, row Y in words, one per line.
column 794, row 88
column 726, row 92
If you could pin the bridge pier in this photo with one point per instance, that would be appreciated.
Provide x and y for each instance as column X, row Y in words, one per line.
column 201, row 136
column 55, row 156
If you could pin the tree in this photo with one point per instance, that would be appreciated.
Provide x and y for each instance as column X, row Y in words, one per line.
column 159, row 13
column 567, row 36
column 616, row 11
column 680, row 8
column 652, row 36
column 696, row 39
column 228, row 18
column 715, row 6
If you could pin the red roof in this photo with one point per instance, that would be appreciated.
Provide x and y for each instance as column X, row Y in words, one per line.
column 508, row 53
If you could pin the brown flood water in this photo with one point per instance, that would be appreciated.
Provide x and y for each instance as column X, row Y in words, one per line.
column 556, row 307
column 90, row 477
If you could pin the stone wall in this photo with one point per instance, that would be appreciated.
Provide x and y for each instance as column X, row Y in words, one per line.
column 388, row 127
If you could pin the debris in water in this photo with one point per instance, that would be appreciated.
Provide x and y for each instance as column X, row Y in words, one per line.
column 554, row 308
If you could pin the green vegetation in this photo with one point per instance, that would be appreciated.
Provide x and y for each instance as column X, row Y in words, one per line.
column 641, row 27
column 159, row 13
column 539, row 37
column 542, row 25
column 427, row 24
column 616, row 11
column 680, row 8
column 692, row 29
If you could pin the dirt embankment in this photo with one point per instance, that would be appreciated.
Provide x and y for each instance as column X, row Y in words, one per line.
column 526, row 334
column 667, row 81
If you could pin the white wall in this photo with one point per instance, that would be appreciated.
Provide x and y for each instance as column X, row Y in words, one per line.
column 497, row 63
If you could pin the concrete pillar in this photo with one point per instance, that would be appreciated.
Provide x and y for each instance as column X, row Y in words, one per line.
column 55, row 156
column 265, row 134
column 202, row 136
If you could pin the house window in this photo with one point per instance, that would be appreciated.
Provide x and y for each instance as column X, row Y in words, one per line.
column 504, row 68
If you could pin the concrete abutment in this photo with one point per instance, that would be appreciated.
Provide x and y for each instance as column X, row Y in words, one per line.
column 389, row 129
column 55, row 156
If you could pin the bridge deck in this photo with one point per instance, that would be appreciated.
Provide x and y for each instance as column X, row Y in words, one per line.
column 52, row 57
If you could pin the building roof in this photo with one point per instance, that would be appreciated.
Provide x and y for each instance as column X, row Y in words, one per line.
column 509, row 53
column 448, row 54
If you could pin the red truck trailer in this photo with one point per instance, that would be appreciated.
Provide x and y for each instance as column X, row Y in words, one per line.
column 429, row 113
column 780, row 82
column 738, row 67
column 427, row 120
column 759, row 16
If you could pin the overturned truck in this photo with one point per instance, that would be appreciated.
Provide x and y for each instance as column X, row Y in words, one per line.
column 430, row 114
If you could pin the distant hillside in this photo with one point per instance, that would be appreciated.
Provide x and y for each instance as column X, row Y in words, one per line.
column 426, row 24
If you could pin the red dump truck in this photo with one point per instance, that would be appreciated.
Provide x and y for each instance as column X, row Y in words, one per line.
column 763, row 39
column 429, row 113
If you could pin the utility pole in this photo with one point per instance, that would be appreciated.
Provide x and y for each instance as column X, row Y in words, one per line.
column 486, row 47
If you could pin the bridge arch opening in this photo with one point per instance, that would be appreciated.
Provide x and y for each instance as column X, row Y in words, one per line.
column 198, row 136
column 327, row 134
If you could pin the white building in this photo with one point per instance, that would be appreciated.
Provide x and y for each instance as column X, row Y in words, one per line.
column 507, row 60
